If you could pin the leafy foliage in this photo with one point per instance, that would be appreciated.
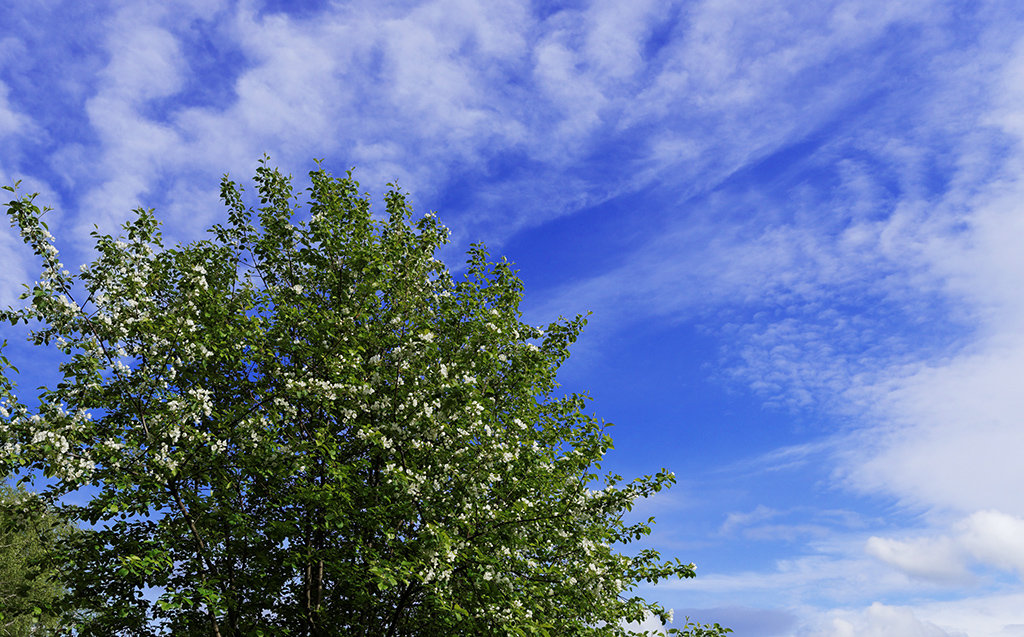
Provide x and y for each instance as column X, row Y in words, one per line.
column 31, row 541
column 304, row 425
column 693, row 629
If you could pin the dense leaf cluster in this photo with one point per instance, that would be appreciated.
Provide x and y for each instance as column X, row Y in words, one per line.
column 31, row 573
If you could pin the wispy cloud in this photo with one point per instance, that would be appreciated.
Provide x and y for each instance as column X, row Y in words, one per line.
column 10, row 121
column 933, row 559
column 880, row 620
column 737, row 519
column 14, row 127
column 988, row 538
column 891, row 296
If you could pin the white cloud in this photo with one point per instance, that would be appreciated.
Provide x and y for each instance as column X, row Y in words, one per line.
column 987, row 616
column 145, row 60
column 835, row 593
column 937, row 559
column 145, row 64
column 952, row 425
column 942, row 431
column 929, row 362
column 733, row 64
column 832, row 573
column 615, row 36
column 651, row 623
column 736, row 520
column 880, row 620
column 419, row 93
column 953, row 434
column 291, row 93
column 575, row 93
column 994, row 538
column 997, row 615
column 989, row 538
column 11, row 121
column 766, row 524
column 17, row 259
column 403, row 94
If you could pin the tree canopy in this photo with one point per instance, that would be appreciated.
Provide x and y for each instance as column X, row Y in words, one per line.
column 304, row 424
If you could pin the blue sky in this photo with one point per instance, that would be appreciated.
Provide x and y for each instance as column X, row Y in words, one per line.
column 797, row 225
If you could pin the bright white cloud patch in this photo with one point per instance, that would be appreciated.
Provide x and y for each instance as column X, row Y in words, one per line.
column 884, row 621
column 995, row 538
column 989, row 539
column 936, row 559
column 994, row 616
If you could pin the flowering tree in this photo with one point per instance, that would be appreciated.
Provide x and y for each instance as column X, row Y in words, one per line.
column 304, row 425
